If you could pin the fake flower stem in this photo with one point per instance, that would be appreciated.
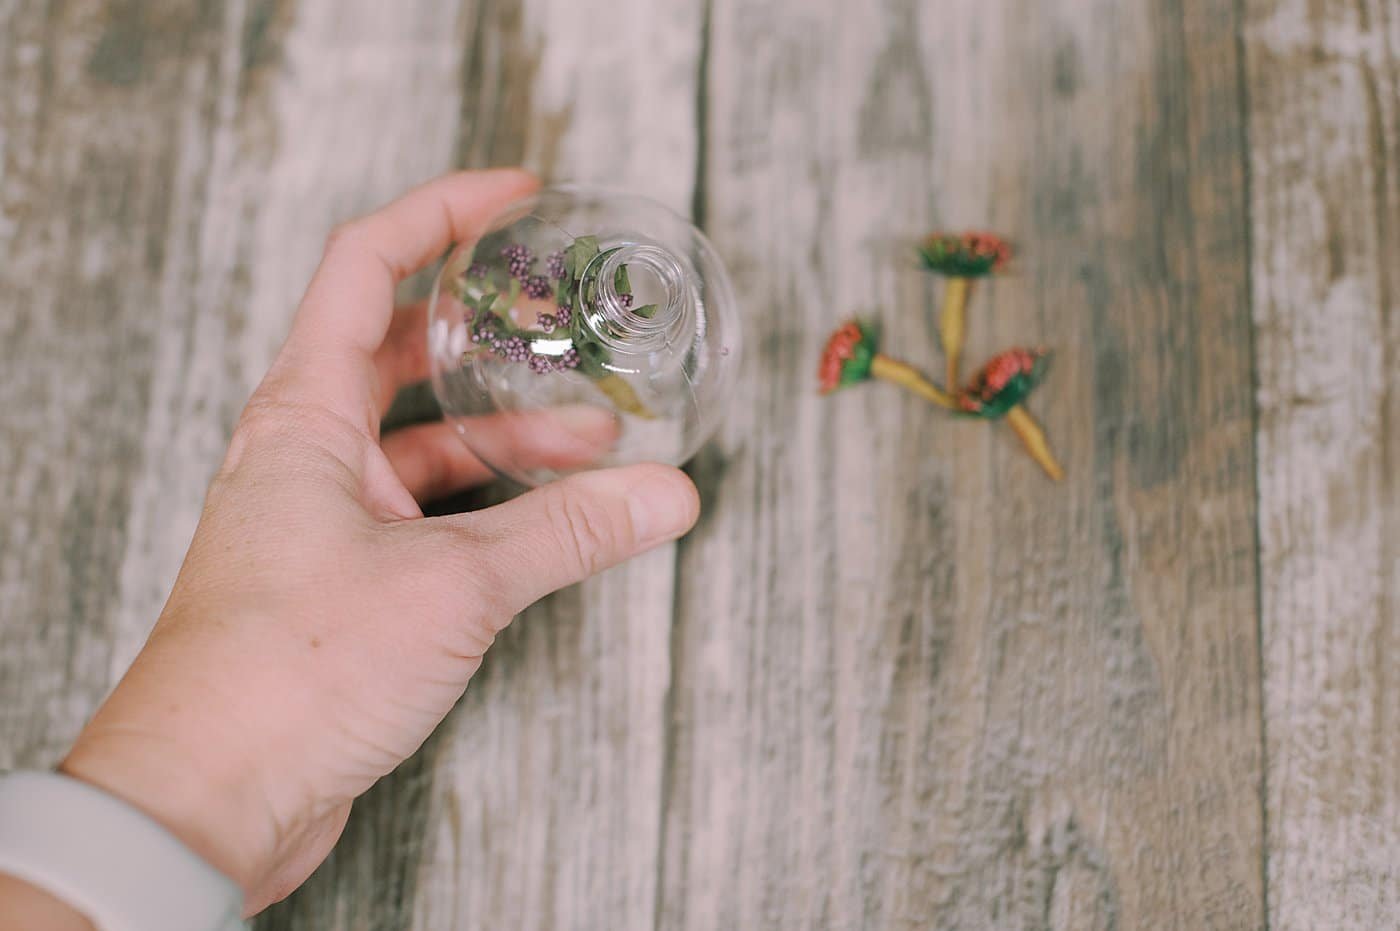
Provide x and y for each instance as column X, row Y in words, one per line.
column 960, row 257
column 1033, row 438
column 953, row 324
column 996, row 392
column 852, row 355
column 909, row 378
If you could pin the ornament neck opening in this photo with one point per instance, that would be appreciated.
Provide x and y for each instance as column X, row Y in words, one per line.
column 641, row 300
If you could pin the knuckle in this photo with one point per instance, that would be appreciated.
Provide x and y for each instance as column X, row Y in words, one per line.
column 270, row 425
column 586, row 532
column 341, row 236
column 222, row 482
column 259, row 423
column 259, row 416
column 359, row 240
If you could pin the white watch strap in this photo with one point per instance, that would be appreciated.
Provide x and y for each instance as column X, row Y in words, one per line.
column 109, row 861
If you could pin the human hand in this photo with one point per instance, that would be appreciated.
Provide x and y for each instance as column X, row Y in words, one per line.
column 321, row 627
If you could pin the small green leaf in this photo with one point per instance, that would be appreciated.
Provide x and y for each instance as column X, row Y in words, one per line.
column 593, row 357
column 579, row 253
column 620, row 281
column 646, row 310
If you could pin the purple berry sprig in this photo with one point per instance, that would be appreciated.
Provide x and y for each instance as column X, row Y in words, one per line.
column 490, row 299
column 519, row 260
column 542, row 364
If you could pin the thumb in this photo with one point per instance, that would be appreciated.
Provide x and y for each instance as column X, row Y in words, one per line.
column 562, row 533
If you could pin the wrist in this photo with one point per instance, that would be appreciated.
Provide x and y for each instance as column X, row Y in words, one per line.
column 221, row 761
column 195, row 788
column 24, row 905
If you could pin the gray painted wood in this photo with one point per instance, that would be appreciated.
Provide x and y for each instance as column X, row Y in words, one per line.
column 895, row 679
column 917, row 685
column 108, row 134
column 545, row 805
column 366, row 101
column 1324, row 84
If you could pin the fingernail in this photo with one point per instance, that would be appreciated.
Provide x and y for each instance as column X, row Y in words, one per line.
column 663, row 506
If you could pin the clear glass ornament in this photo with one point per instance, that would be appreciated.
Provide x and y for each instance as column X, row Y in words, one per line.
column 583, row 329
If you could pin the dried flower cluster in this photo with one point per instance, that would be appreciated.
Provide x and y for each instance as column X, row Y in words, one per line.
column 496, row 293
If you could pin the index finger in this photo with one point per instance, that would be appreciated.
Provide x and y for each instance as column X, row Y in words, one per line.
column 328, row 358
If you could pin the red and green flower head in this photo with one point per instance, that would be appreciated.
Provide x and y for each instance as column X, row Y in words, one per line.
column 848, row 356
column 964, row 255
column 1003, row 382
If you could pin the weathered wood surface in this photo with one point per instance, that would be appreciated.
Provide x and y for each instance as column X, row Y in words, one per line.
column 1324, row 85
column 894, row 679
column 917, row 685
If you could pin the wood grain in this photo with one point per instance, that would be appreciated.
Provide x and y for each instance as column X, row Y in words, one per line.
column 895, row 679
column 366, row 102
column 1324, row 86
column 917, row 686
column 547, row 798
column 111, row 115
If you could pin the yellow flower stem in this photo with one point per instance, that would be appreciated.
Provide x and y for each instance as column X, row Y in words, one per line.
column 1033, row 438
column 910, row 378
column 953, row 325
column 622, row 396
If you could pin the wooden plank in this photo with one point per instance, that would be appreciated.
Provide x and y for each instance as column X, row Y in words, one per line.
column 1324, row 87
column 107, row 125
column 168, row 179
column 916, row 685
column 364, row 101
column 546, row 800
column 274, row 121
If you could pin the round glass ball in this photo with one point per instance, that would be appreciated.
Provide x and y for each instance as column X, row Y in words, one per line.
column 583, row 329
